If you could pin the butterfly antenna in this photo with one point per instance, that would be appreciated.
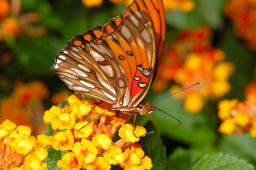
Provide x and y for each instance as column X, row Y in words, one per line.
column 181, row 90
column 185, row 88
column 180, row 122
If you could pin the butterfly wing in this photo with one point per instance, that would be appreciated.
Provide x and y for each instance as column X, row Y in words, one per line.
column 116, row 62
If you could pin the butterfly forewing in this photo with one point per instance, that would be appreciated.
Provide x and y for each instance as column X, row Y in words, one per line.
column 115, row 62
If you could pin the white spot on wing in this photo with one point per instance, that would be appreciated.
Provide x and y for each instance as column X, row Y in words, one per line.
column 97, row 56
column 108, row 69
column 142, row 85
column 62, row 57
column 134, row 20
column 75, row 49
column 145, row 36
column 125, row 31
column 87, row 84
column 138, row 14
column 66, row 52
column 105, row 84
column 56, row 66
column 80, row 89
column 108, row 95
column 136, row 78
column 121, row 83
column 126, row 97
column 84, row 68
column 79, row 72
column 59, row 61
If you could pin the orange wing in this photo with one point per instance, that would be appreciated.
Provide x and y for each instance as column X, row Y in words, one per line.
column 116, row 62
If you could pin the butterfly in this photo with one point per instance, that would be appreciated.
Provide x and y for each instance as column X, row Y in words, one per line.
column 116, row 62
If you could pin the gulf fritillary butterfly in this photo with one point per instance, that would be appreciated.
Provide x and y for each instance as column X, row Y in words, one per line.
column 116, row 62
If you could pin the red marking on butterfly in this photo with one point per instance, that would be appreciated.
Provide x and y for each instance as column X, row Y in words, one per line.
column 116, row 62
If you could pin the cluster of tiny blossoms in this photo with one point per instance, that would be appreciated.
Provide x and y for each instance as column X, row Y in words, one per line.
column 12, row 23
column 87, row 135
column 239, row 117
column 25, row 105
column 242, row 13
column 182, row 5
column 191, row 59
column 20, row 150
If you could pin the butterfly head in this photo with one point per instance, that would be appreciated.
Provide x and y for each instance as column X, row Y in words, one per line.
column 146, row 109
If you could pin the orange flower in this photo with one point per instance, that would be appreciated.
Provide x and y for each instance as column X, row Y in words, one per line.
column 242, row 13
column 4, row 8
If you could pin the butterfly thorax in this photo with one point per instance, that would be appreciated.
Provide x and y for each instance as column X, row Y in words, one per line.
column 142, row 109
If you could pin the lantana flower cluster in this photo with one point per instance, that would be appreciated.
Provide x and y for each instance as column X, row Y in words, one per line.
column 182, row 5
column 192, row 59
column 239, row 117
column 13, row 23
column 242, row 13
column 88, row 136
column 25, row 105
column 20, row 150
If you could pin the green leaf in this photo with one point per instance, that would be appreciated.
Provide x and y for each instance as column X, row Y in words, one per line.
column 183, row 20
column 36, row 55
column 220, row 161
column 211, row 11
column 195, row 129
column 239, row 145
column 49, row 130
column 154, row 148
column 179, row 160
column 53, row 157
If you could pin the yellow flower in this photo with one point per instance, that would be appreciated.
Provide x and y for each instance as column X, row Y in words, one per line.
column 34, row 161
column 253, row 131
column 223, row 70
column 185, row 6
column 87, row 149
column 136, row 159
column 114, row 155
column 193, row 102
column 220, row 87
column 23, row 144
column 130, row 134
column 193, row 62
column 44, row 141
column 59, row 118
column 241, row 119
column 99, row 164
column 81, row 109
column 70, row 161
column 225, row 108
column 228, row 126
column 92, row 3
column 63, row 140
column 103, row 111
column 6, row 127
column 102, row 141
column 83, row 129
